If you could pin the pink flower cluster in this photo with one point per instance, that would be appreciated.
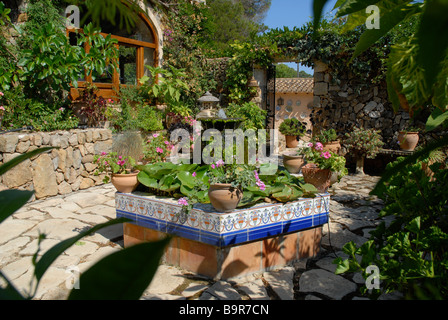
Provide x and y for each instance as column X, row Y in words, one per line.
column 183, row 201
column 318, row 146
column 219, row 163
column 259, row 183
column 120, row 161
column 2, row 108
column 326, row 155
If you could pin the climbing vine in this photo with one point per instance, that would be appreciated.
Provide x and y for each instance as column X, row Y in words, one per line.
column 187, row 46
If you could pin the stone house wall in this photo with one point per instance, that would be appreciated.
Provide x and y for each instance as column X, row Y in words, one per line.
column 352, row 102
column 59, row 171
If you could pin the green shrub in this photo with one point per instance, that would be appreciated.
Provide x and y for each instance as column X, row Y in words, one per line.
column 410, row 252
column 292, row 127
column 326, row 136
column 149, row 118
column 254, row 117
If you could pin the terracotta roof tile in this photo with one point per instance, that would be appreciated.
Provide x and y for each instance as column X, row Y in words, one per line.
column 294, row 85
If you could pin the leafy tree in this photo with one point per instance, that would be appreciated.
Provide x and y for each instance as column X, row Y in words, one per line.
column 284, row 71
column 304, row 74
column 235, row 20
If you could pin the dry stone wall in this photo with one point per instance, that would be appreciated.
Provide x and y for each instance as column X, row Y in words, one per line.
column 350, row 102
column 68, row 168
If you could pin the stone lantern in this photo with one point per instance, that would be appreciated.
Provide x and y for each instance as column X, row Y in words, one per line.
column 208, row 106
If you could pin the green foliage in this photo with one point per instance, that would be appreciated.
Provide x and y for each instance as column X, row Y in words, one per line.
column 113, row 163
column 254, row 117
column 418, row 61
column 230, row 21
column 185, row 39
column 240, row 68
column 326, row 136
column 363, row 142
column 168, row 88
column 157, row 148
column 94, row 107
column 292, row 127
column 314, row 153
column 133, row 111
column 40, row 67
column 283, row 71
column 180, row 181
column 49, row 120
column 410, row 252
column 105, row 279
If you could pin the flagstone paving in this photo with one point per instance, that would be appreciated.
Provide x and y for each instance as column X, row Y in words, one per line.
column 353, row 212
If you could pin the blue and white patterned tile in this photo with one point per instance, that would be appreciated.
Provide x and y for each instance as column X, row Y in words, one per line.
column 213, row 227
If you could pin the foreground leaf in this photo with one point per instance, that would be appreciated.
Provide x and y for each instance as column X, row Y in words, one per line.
column 11, row 201
column 123, row 275
column 433, row 38
column 52, row 254
column 12, row 163
column 436, row 118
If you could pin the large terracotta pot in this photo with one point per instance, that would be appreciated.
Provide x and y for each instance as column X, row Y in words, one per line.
column 125, row 183
column 333, row 146
column 320, row 178
column 293, row 163
column 408, row 140
column 224, row 197
column 291, row 141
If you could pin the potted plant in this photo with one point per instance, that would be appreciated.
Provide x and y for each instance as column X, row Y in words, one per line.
column 90, row 108
column 329, row 140
column 292, row 129
column 157, row 148
column 321, row 165
column 363, row 143
column 227, row 183
column 408, row 138
column 293, row 162
column 120, row 168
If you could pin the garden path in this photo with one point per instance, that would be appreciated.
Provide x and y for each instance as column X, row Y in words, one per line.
column 352, row 214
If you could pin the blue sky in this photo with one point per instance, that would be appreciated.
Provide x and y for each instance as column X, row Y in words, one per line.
column 292, row 13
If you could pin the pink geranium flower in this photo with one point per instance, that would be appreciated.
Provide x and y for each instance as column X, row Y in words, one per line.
column 159, row 150
column 326, row 155
column 261, row 185
column 310, row 144
column 183, row 201
column 319, row 146
column 155, row 135
column 194, row 174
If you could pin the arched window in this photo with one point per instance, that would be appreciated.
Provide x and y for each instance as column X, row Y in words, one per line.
column 137, row 48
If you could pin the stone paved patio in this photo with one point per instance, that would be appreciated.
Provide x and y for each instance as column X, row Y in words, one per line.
column 352, row 214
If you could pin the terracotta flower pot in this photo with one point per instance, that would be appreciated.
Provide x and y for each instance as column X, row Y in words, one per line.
column 293, row 163
column 224, row 197
column 320, row 178
column 291, row 141
column 408, row 140
column 125, row 183
column 333, row 146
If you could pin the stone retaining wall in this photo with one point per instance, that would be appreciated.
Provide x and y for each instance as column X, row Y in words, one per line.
column 60, row 171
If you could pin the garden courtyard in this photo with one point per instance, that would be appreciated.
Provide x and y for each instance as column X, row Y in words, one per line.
column 353, row 214
column 164, row 151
